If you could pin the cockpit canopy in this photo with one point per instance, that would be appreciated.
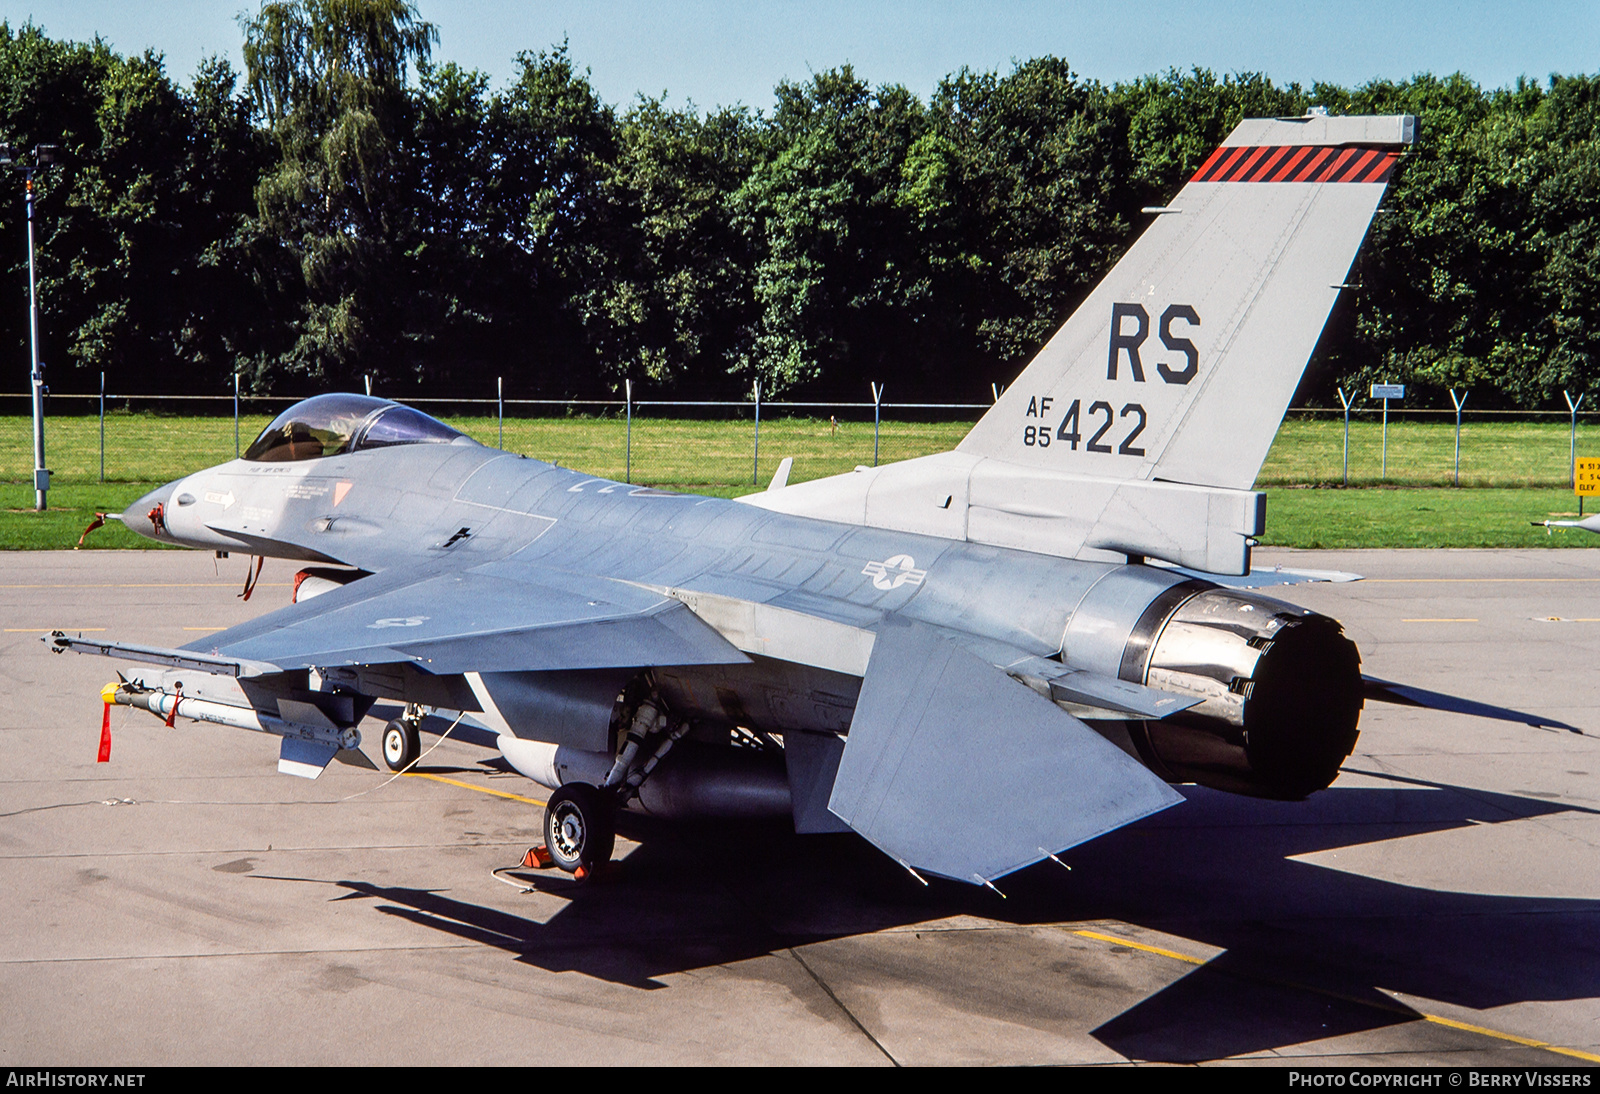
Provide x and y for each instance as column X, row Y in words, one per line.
column 329, row 425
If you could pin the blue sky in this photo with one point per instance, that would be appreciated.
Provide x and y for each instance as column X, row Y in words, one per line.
column 718, row 52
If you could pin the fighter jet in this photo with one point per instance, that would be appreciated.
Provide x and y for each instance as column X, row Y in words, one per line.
column 975, row 660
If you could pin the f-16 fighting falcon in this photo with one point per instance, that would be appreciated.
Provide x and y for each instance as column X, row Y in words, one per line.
column 975, row 659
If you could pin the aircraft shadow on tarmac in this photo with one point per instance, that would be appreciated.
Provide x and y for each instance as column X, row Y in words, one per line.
column 1306, row 949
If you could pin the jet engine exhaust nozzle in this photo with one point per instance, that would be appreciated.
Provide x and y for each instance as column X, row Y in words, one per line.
column 1281, row 688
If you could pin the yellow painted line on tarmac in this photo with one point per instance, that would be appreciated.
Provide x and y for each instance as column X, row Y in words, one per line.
column 1497, row 1034
column 1114, row 940
column 1579, row 1053
column 1438, row 620
column 1436, row 1019
column 470, row 786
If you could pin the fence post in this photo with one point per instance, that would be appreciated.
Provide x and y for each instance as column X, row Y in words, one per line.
column 235, row 412
column 103, row 428
column 500, row 400
column 755, row 471
column 1461, row 402
column 1383, row 473
column 1346, row 401
column 877, row 404
column 367, row 379
column 1572, row 454
column 627, row 395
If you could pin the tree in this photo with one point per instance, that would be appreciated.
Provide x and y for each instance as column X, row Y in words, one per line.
column 140, row 272
column 836, row 264
column 554, row 204
column 1481, row 273
column 329, row 79
column 688, row 289
column 1039, row 204
column 1176, row 120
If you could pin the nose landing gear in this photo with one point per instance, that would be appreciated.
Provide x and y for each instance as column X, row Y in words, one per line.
column 402, row 743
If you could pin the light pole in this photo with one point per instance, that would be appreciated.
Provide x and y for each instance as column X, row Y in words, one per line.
column 43, row 154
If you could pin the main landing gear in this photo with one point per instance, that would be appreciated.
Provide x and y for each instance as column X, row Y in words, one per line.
column 580, row 827
column 580, row 820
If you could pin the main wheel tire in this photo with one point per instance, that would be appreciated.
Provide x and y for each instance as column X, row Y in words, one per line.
column 580, row 827
column 402, row 744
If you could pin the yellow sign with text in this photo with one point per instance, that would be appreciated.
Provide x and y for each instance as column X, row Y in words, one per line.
column 1586, row 475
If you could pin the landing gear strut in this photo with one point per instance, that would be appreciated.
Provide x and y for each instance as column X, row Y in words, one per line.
column 580, row 827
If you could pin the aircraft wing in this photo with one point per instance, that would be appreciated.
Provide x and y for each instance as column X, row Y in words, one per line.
column 494, row 618
column 953, row 768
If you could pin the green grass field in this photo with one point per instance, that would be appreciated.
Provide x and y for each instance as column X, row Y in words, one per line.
column 1422, row 453
column 1511, row 472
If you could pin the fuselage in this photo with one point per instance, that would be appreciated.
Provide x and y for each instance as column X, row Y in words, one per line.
column 805, row 597
column 467, row 504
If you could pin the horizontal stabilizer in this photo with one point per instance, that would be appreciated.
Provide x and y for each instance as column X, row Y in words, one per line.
column 1093, row 689
column 1106, row 696
column 1265, row 577
column 953, row 768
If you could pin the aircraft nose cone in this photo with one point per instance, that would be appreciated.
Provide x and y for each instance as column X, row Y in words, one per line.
column 138, row 516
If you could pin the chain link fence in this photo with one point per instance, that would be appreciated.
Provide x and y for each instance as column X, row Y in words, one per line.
column 1483, row 448
column 152, row 439
column 723, row 445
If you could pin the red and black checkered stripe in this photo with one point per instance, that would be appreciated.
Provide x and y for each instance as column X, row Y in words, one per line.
column 1297, row 163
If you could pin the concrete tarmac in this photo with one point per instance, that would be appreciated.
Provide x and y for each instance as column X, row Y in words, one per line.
column 185, row 904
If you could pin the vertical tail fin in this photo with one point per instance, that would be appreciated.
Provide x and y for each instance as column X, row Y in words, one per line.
column 1180, row 364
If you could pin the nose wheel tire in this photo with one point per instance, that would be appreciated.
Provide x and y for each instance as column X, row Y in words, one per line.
column 402, row 744
column 580, row 827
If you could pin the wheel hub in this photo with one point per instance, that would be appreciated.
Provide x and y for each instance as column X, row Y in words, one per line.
column 569, row 832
